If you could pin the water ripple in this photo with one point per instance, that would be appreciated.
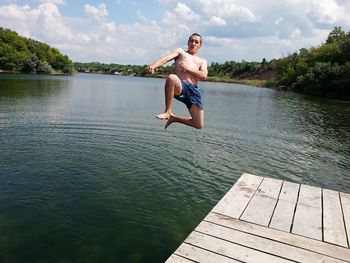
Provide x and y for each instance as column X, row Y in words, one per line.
column 87, row 170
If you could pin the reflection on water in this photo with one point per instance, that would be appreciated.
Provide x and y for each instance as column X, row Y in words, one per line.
column 87, row 174
column 30, row 85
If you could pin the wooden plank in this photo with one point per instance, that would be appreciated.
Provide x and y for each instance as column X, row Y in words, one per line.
column 308, row 215
column 231, row 250
column 345, row 201
column 310, row 196
column 280, row 236
column 263, row 203
column 263, row 244
column 177, row 259
column 283, row 216
column 333, row 224
column 196, row 254
column 270, row 187
column 223, row 237
column 308, row 222
column 289, row 192
column 237, row 198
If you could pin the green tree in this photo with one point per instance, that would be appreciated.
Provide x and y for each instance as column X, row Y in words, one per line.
column 345, row 48
column 321, row 79
column 336, row 35
column 17, row 54
column 44, row 67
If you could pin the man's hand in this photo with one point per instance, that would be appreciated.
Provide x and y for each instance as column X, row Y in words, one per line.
column 151, row 70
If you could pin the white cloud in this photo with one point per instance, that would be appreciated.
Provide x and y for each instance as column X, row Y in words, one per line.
column 51, row 21
column 96, row 12
column 185, row 13
column 279, row 20
column 93, row 38
column 109, row 26
column 217, row 21
column 141, row 16
column 329, row 12
column 216, row 41
column 44, row 22
column 231, row 29
column 110, row 40
column 83, row 38
column 227, row 9
column 182, row 19
column 165, row 2
column 56, row 2
column 296, row 33
column 14, row 12
column 169, row 18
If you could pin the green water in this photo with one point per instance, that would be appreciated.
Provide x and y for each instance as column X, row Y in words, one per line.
column 87, row 174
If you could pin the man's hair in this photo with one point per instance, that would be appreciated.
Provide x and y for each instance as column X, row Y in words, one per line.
column 195, row 35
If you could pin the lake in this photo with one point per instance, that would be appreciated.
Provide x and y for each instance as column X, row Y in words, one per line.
column 88, row 174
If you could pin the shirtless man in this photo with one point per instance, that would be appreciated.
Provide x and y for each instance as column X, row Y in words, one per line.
column 189, row 69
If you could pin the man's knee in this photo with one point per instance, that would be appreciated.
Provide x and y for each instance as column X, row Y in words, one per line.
column 172, row 78
column 197, row 117
column 199, row 125
column 174, row 82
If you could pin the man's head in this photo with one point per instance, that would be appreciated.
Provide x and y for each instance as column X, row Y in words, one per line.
column 194, row 43
column 195, row 35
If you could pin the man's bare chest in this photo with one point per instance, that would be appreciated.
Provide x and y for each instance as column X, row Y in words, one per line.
column 189, row 60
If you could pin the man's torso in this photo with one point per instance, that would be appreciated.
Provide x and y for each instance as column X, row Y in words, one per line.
column 190, row 61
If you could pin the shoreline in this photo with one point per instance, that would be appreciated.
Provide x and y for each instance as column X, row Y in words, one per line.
column 55, row 73
column 248, row 82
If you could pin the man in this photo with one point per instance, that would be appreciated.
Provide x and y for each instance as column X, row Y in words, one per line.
column 189, row 69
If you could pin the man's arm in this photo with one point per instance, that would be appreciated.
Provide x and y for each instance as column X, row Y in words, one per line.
column 200, row 74
column 164, row 59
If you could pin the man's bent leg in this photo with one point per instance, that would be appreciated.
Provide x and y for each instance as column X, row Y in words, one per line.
column 196, row 120
column 172, row 87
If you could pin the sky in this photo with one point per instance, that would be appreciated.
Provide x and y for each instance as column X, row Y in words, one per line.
column 139, row 32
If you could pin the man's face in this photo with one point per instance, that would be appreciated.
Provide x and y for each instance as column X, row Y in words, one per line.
column 194, row 43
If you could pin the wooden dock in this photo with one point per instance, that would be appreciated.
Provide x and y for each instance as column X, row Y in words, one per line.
column 267, row 220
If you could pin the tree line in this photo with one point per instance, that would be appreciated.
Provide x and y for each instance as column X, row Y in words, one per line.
column 117, row 69
column 20, row 54
column 322, row 70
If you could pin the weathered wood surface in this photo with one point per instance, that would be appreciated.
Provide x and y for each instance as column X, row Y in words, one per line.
column 268, row 220
column 283, row 216
column 333, row 221
column 238, row 197
column 345, row 201
column 263, row 203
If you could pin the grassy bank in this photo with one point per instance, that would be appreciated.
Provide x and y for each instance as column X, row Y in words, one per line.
column 250, row 82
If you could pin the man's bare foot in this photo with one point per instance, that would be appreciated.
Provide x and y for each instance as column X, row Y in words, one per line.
column 170, row 121
column 163, row 116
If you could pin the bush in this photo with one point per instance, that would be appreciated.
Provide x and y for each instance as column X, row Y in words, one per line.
column 322, row 79
column 35, row 65
column 44, row 67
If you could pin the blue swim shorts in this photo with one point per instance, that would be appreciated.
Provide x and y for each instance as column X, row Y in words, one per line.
column 190, row 95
